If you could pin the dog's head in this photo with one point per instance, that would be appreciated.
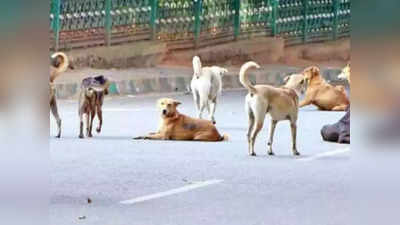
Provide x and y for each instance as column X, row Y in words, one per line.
column 167, row 107
column 219, row 70
column 296, row 82
column 345, row 74
column 311, row 73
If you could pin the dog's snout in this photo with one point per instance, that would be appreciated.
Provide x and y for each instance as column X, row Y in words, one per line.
column 164, row 111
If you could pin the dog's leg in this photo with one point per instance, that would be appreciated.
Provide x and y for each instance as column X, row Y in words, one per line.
column 100, row 117
column 196, row 99
column 339, row 108
column 293, row 127
column 92, row 114
column 203, row 105
column 251, row 125
column 213, row 103
column 153, row 136
column 81, row 126
column 271, row 136
column 304, row 103
column 259, row 116
column 54, row 111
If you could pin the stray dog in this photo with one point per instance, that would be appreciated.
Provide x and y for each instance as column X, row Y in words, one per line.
column 322, row 94
column 176, row 126
column 281, row 103
column 345, row 74
column 59, row 63
column 91, row 100
column 206, row 85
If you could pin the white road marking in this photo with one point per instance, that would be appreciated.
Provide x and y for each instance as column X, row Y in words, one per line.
column 171, row 192
column 325, row 154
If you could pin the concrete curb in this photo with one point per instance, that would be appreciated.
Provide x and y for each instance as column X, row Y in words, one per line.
column 181, row 83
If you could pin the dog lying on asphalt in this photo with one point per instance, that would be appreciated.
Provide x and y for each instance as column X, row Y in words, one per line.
column 91, row 100
column 206, row 85
column 281, row 103
column 322, row 94
column 176, row 126
column 59, row 63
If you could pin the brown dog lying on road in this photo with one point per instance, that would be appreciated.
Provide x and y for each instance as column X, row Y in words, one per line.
column 91, row 100
column 59, row 63
column 176, row 126
column 322, row 94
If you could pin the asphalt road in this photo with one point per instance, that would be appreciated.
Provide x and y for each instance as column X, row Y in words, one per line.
column 137, row 182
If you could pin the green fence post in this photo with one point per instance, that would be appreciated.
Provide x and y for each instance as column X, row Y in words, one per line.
column 274, row 4
column 305, row 25
column 197, row 22
column 237, row 19
column 335, row 18
column 153, row 18
column 108, row 23
column 56, row 23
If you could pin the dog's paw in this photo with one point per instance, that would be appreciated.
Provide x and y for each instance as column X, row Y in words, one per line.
column 253, row 154
column 296, row 153
column 58, row 136
column 81, row 136
column 98, row 130
column 271, row 153
column 139, row 138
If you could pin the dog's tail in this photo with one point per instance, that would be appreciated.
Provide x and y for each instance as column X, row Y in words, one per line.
column 62, row 67
column 224, row 137
column 196, row 66
column 244, row 79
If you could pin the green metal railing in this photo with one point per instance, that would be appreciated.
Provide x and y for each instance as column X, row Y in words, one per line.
column 83, row 23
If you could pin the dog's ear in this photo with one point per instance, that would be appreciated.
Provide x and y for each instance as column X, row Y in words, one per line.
column 176, row 103
column 286, row 79
column 314, row 71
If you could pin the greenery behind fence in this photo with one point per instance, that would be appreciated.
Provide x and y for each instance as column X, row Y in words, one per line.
column 82, row 23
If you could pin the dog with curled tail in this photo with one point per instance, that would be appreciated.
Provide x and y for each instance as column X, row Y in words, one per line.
column 59, row 63
column 206, row 85
column 281, row 103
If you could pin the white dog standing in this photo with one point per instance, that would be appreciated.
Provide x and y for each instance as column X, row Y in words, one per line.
column 206, row 85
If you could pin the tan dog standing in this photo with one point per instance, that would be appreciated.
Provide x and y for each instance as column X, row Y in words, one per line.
column 280, row 103
column 322, row 94
column 59, row 63
column 176, row 126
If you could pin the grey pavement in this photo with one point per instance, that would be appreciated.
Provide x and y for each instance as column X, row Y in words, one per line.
column 273, row 190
